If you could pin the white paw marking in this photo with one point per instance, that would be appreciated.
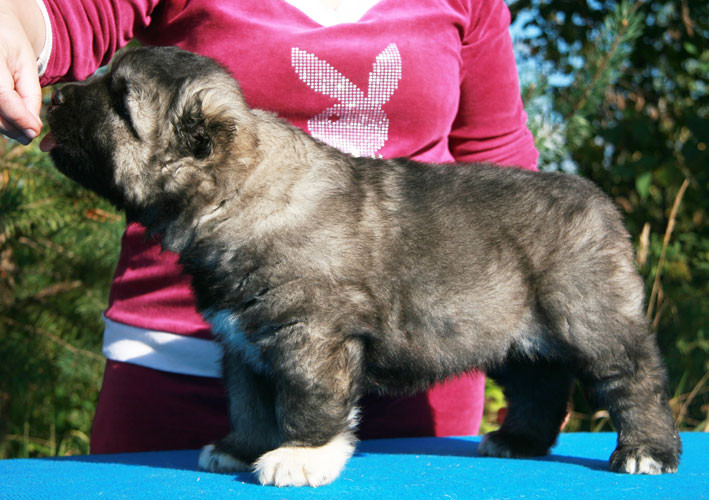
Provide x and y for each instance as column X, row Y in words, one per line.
column 305, row 466
column 214, row 461
column 642, row 465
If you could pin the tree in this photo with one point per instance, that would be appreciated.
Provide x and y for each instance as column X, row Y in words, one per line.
column 58, row 247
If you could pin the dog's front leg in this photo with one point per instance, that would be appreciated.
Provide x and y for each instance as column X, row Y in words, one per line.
column 316, row 388
column 252, row 415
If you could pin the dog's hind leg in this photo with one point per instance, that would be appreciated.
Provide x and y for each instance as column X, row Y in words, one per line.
column 254, row 429
column 629, row 380
column 537, row 395
column 593, row 303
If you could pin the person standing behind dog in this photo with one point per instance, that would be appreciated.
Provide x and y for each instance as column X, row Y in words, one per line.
column 434, row 81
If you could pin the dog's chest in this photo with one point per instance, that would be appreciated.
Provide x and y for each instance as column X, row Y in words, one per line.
column 226, row 328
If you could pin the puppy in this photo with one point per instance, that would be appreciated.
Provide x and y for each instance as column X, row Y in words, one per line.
column 326, row 276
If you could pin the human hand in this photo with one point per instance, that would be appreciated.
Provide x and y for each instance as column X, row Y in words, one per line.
column 20, row 92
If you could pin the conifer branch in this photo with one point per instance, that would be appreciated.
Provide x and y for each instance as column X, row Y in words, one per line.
column 54, row 338
column 604, row 63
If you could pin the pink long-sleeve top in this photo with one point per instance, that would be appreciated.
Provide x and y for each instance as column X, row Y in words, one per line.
column 430, row 79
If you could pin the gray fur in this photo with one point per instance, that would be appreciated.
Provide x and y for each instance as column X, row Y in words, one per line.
column 329, row 276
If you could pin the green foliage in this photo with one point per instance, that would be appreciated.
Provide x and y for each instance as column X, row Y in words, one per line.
column 495, row 407
column 559, row 114
column 58, row 247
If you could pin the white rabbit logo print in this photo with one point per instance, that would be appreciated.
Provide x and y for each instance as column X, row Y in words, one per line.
column 357, row 124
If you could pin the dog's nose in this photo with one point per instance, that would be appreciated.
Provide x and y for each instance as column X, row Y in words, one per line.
column 58, row 98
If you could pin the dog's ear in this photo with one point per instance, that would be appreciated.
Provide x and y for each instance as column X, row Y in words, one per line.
column 192, row 131
column 205, row 115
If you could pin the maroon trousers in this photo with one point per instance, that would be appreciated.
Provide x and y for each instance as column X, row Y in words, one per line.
column 141, row 409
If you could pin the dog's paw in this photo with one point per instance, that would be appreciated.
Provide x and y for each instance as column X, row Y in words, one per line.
column 643, row 460
column 501, row 445
column 305, row 466
column 212, row 460
column 490, row 446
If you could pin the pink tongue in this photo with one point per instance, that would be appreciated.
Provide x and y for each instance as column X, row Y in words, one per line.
column 48, row 143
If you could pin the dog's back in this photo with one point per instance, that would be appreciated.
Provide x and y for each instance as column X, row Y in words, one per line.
column 472, row 261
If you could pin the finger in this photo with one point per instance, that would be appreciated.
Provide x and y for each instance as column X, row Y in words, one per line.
column 27, row 86
column 10, row 131
column 13, row 108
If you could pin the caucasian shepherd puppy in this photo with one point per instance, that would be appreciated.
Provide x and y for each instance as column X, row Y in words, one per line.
column 326, row 276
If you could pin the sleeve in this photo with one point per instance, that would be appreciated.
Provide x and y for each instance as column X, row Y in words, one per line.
column 491, row 121
column 86, row 33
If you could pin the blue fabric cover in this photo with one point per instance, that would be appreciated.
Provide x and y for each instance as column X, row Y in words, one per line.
column 408, row 469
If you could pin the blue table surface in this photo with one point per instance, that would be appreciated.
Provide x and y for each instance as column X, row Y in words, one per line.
column 445, row 468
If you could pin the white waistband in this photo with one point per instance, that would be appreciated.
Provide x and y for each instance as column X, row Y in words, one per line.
column 161, row 350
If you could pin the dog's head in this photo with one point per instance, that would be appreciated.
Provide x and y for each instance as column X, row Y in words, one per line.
column 153, row 131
